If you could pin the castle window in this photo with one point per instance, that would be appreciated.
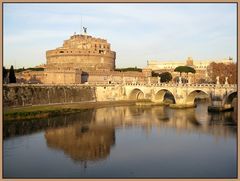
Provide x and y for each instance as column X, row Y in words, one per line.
column 61, row 52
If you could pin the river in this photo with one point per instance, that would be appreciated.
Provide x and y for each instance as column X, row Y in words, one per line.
column 123, row 142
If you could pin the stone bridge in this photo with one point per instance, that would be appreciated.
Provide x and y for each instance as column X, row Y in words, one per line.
column 183, row 95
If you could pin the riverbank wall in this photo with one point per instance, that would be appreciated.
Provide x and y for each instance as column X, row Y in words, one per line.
column 18, row 95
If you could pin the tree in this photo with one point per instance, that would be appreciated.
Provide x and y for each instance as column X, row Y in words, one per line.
column 222, row 70
column 4, row 74
column 155, row 74
column 128, row 69
column 185, row 69
column 166, row 76
column 12, row 77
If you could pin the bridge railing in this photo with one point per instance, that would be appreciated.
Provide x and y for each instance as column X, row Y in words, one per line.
column 233, row 86
column 183, row 85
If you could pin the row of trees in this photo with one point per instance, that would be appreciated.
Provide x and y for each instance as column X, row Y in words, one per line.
column 129, row 69
column 166, row 76
column 9, row 75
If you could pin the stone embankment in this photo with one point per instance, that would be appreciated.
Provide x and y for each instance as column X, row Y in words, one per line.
column 28, row 95
column 22, row 101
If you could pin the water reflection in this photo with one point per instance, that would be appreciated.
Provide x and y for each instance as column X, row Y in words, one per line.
column 16, row 128
column 89, row 135
column 82, row 142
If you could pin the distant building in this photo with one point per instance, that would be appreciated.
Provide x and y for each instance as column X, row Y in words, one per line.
column 199, row 66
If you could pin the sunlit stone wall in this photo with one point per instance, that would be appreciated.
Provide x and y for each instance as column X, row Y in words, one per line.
column 23, row 95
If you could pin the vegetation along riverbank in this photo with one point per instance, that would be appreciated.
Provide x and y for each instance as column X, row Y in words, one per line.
column 42, row 111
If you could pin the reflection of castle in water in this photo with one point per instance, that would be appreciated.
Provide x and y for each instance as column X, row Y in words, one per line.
column 82, row 142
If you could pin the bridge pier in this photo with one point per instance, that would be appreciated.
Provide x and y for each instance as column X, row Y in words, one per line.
column 182, row 106
column 219, row 106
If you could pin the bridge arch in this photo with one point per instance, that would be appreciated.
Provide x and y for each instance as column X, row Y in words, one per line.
column 229, row 98
column 196, row 93
column 163, row 94
column 136, row 94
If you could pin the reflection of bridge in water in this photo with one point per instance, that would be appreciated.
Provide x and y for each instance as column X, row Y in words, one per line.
column 189, row 120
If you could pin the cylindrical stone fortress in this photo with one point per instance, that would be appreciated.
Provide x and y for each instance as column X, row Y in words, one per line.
column 82, row 52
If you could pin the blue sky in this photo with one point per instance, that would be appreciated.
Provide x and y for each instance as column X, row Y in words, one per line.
column 137, row 32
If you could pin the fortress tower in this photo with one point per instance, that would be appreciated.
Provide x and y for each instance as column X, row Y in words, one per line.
column 80, row 53
column 83, row 52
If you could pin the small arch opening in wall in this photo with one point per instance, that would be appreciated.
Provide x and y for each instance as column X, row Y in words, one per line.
column 61, row 52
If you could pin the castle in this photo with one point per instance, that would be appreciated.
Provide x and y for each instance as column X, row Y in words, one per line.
column 86, row 59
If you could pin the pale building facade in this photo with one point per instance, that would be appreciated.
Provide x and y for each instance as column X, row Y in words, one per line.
column 199, row 66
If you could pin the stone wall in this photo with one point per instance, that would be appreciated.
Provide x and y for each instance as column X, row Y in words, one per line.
column 23, row 95
column 62, row 76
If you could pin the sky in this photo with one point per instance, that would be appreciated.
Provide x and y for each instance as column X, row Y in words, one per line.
column 138, row 32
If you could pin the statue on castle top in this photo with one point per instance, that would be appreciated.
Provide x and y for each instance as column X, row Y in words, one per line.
column 85, row 30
